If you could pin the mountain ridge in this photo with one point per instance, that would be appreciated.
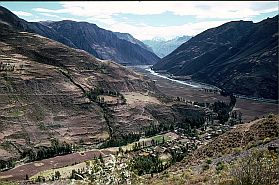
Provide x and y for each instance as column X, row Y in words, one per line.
column 164, row 47
column 106, row 43
column 239, row 56
column 119, row 50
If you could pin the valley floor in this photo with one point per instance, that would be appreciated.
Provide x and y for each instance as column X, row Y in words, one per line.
column 175, row 141
column 249, row 108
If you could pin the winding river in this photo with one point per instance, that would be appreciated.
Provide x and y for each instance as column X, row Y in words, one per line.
column 189, row 83
column 192, row 84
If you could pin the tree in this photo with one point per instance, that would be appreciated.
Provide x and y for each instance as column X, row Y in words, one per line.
column 57, row 175
column 73, row 174
column 232, row 100
column 101, row 158
column 240, row 117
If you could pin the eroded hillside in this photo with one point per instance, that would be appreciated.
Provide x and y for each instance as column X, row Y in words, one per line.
column 49, row 90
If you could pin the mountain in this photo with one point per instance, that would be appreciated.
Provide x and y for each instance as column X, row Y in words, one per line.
column 99, row 42
column 106, row 44
column 49, row 90
column 128, row 37
column 240, row 57
column 163, row 47
column 11, row 19
column 44, row 91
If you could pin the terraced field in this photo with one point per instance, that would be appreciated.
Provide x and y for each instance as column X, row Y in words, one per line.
column 30, row 169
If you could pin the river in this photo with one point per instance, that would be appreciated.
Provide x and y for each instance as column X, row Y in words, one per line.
column 193, row 84
column 189, row 83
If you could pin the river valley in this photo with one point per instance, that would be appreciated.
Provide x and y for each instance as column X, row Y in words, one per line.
column 193, row 91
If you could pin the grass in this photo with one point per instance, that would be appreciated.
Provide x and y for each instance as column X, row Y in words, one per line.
column 8, row 183
column 158, row 138
column 16, row 113
column 64, row 171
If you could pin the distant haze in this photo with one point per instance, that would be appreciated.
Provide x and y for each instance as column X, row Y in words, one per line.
column 163, row 47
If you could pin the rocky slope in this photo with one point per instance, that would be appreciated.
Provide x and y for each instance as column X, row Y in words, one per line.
column 130, row 38
column 244, row 136
column 99, row 42
column 214, row 162
column 45, row 87
column 240, row 57
column 90, row 37
column 164, row 47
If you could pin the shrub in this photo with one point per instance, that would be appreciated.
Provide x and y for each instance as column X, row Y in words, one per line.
column 219, row 167
column 237, row 150
column 259, row 168
column 205, row 167
column 208, row 161
column 266, row 140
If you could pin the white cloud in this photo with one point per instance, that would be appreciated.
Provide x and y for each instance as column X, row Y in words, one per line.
column 21, row 13
column 207, row 9
column 168, row 32
column 45, row 10
column 50, row 15
column 104, row 12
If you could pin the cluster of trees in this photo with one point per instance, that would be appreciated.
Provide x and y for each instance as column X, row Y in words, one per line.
column 6, row 67
column 121, row 141
column 40, row 179
column 211, row 90
column 188, row 130
column 223, row 109
column 180, row 99
column 192, row 120
column 236, row 117
column 47, row 152
column 7, row 164
column 54, row 177
column 152, row 164
column 94, row 93
column 77, row 175
column 153, row 129
column 178, row 154
column 147, row 165
column 194, row 117
column 140, row 145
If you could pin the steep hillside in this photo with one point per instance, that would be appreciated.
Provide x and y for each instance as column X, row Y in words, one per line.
column 130, row 38
column 99, row 42
column 222, row 160
column 90, row 37
column 240, row 57
column 49, row 90
column 164, row 47
column 11, row 19
column 244, row 136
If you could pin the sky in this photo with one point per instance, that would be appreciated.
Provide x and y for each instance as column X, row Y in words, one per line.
column 147, row 19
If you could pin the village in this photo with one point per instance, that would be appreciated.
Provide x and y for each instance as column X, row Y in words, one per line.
column 144, row 157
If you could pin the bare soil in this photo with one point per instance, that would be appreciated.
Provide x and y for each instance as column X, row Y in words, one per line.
column 30, row 169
